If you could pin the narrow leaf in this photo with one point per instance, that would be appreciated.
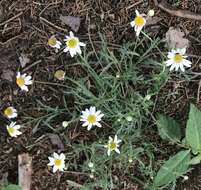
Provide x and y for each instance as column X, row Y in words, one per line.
column 173, row 168
column 168, row 128
column 193, row 129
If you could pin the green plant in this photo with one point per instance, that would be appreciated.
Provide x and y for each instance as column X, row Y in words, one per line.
column 179, row 164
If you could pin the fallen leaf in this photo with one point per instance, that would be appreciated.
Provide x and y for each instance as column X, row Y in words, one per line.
column 23, row 60
column 72, row 21
column 7, row 75
column 175, row 38
column 55, row 140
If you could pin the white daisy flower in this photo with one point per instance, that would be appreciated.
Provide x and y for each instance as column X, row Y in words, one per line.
column 138, row 22
column 53, row 42
column 113, row 145
column 10, row 112
column 57, row 161
column 23, row 81
column 73, row 45
column 91, row 118
column 177, row 59
column 13, row 129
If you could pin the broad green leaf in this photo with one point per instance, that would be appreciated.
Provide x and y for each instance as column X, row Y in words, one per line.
column 193, row 129
column 195, row 160
column 173, row 168
column 12, row 187
column 168, row 128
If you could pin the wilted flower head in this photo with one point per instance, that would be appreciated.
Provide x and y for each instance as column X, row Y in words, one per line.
column 53, row 42
column 13, row 129
column 10, row 112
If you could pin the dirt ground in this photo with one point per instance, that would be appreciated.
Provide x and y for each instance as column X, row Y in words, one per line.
column 26, row 25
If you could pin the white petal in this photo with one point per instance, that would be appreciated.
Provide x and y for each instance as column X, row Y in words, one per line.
column 51, row 163
column 18, row 132
column 89, row 127
column 98, row 124
column 187, row 63
column 172, row 67
column 108, row 152
column 66, row 49
column 169, row 62
column 56, row 156
column 17, row 126
column 18, row 75
column 117, row 151
column 82, row 44
column 72, row 52
column 79, row 50
column 182, row 51
column 55, row 169
column 182, row 67
column 92, row 110
column 25, row 88
column 85, row 124
column 62, row 156
column 177, row 66
column 132, row 24
column 137, row 12
column 71, row 34
column 171, row 55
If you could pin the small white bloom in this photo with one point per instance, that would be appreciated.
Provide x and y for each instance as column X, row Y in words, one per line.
column 53, row 42
column 147, row 97
column 129, row 118
column 13, row 129
column 130, row 160
column 113, row 145
column 186, row 177
column 151, row 13
column 138, row 23
column 91, row 176
column 65, row 124
column 73, row 45
column 177, row 59
column 10, row 112
column 91, row 165
column 23, row 81
column 91, row 118
column 57, row 161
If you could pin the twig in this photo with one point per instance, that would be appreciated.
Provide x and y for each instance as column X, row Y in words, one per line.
column 25, row 171
column 198, row 92
column 10, row 19
column 133, row 5
column 177, row 12
column 33, row 64
column 53, row 25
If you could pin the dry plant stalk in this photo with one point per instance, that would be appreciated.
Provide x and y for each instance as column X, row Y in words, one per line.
column 25, row 171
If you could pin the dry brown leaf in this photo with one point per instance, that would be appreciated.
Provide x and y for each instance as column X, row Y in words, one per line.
column 72, row 21
column 7, row 75
column 175, row 38
column 55, row 140
column 23, row 60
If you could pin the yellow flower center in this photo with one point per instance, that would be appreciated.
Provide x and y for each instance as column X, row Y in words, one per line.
column 139, row 21
column 91, row 119
column 72, row 43
column 20, row 82
column 113, row 146
column 8, row 111
column 11, row 130
column 52, row 41
column 57, row 162
column 178, row 58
